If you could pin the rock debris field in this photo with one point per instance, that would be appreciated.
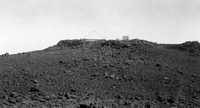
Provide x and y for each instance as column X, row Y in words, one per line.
column 103, row 74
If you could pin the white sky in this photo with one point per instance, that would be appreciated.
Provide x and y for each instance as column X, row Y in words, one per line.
column 27, row 25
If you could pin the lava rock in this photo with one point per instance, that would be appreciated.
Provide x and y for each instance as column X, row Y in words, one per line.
column 35, row 81
column 14, row 94
column 106, row 74
column 158, row 65
column 194, row 75
column 112, row 76
column 34, row 89
column 70, row 96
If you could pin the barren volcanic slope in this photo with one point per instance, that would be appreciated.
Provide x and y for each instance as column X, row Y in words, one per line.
column 103, row 74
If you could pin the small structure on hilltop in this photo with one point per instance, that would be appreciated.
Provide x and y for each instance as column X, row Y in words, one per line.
column 93, row 36
column 125, row 38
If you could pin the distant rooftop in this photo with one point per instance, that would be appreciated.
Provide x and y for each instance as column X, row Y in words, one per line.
column 93, row 35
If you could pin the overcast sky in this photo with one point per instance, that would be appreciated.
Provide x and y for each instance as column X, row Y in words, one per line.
column 27, row 25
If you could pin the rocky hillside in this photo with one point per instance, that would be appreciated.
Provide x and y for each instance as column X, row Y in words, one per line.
column 103, row 74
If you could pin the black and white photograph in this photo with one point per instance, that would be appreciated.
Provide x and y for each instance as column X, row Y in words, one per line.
column 99, row 54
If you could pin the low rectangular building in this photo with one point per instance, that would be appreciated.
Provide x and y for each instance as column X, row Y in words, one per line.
column 125, row 38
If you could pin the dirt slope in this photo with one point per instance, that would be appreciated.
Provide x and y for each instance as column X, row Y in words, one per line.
column 103, row 74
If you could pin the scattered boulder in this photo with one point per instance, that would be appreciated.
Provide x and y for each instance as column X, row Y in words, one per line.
column 88, row 103
column 35, row 81
column 70, row 96
column 47, row 97
column 94, row 74
column 158, row 65
column 12, row 100
column 179, row 71
column 194, row 75
column 112, row 76
column 14, row 94
column 34, row 89
column 105, row 74
column 171, row 101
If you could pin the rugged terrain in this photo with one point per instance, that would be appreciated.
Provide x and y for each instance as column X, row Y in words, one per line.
column 103, row 74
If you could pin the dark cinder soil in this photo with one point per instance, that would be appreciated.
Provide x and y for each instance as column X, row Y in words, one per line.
column 102, row 74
